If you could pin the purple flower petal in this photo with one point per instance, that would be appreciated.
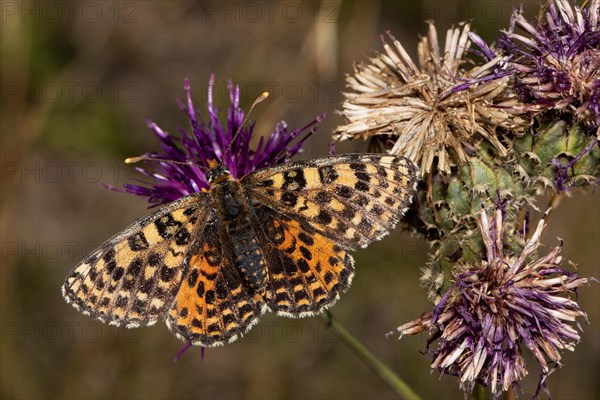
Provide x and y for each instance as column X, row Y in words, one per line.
column 188, row 154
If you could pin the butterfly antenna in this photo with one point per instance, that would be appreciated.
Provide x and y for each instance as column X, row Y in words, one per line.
column 260, row 99
column 133, row 160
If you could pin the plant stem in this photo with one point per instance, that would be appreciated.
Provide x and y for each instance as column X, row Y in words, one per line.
column 382, row 370
column 478, row 392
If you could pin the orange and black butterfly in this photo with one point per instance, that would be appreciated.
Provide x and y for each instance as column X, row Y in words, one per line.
column 277, row 239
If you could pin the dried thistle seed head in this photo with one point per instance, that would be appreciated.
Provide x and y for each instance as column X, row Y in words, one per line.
column 499, row 306
column 433, row 107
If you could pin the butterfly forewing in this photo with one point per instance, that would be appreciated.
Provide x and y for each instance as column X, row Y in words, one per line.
column 133, row 277
column 351, row 199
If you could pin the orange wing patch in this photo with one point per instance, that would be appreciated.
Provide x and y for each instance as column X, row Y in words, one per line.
column 213, row 307
column 307, row 271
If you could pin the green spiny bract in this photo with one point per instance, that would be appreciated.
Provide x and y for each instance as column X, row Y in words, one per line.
column 560, row 156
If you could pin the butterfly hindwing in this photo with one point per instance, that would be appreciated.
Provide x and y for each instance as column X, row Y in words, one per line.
column 351, row 199
column 213, row 305
column 132, row 278
column 306, row 271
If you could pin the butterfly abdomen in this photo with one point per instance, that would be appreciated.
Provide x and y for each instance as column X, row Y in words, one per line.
column 234, row 213
column 250, row 258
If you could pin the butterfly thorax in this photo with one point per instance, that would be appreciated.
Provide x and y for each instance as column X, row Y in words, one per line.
column 234, row 214
column 230, row 202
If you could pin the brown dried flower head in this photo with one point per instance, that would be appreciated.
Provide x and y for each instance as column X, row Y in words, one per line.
column 428, row 108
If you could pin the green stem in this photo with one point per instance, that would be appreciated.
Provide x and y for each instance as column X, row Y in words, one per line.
column 478, row 392
column 382, row 370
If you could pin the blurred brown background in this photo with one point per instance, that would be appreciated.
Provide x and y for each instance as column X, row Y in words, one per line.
column 79, row 80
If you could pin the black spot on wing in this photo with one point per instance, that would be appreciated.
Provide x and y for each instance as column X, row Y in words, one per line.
column 135, row 267
column 306, row 253
column 294, row 180
column 167, row 274
column 305, row 238
column 147, row 285
column 344, row 191
column 109, row 255
column 210, row 297
column 193, row 277
column 362, row 176
column 154, row 259
column 118, row 273
column 167, row 226
column 327, row 174
column 362, row 186
column 358, row 166
column 221, row 289
column 137, row 242
column 289, row 199
column 324, row 217
column 200, row 289
column 182, row 237
column 323, row 198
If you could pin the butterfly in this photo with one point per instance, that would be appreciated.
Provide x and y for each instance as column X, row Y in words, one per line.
column 277, row 239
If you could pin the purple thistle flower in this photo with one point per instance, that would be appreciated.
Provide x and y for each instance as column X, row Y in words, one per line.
column 495, row 309
column 229, row 144
column 557, row 61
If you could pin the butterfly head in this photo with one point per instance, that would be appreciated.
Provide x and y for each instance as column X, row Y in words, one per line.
column 217, row 172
